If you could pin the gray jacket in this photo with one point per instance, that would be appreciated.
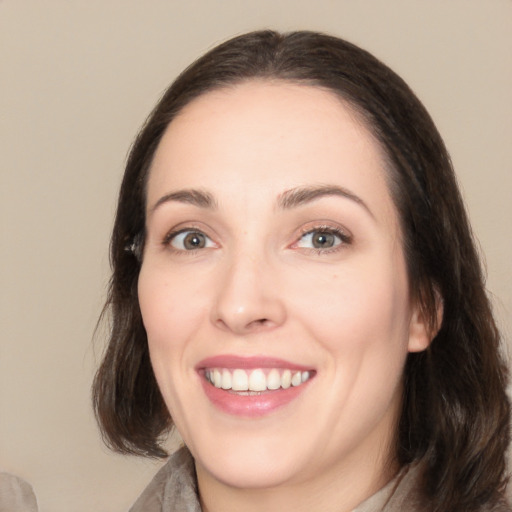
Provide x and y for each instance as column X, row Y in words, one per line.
column 174, row 489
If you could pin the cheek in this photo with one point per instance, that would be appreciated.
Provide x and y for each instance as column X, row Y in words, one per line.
column 357, row 308
column 169, row 310
column 170, row 317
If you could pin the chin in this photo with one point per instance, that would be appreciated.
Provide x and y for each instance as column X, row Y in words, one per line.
column 252, row 471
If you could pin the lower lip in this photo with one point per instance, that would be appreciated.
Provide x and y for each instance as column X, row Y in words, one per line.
column 251, row 406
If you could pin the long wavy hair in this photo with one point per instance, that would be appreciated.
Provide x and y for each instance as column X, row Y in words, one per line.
column 455, row 415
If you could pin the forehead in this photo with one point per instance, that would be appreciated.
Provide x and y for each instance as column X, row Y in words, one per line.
column 268, row 135
column 267, row 107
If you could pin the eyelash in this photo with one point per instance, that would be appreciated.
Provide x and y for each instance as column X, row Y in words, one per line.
column 344, row 239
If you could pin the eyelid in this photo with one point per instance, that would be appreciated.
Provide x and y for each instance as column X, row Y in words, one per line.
column 180, row 227
column 344, row 233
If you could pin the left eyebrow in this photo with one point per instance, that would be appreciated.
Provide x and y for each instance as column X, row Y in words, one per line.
column 195, row 197
column 303, row 195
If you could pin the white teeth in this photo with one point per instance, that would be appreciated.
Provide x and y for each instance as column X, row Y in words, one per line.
column 273, row 379
column 286, row 379
column 255, row 380
column 296, row 379
column 217, row 378
column 240, row 381
column 226, row 379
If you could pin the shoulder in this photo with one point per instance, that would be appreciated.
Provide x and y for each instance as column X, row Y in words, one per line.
column 16, row 494
column 173, row 487
column 502, row 506
column 404, row 493
column 400, row 494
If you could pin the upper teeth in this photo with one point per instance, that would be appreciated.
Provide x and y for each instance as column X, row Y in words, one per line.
column 255, row 380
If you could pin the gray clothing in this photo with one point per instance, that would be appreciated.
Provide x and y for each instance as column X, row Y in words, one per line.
column 174, row 489
column 16, row 495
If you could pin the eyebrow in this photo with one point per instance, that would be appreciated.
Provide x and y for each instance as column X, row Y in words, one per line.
column 195, row 197
column 303, row 195
column 289, row 199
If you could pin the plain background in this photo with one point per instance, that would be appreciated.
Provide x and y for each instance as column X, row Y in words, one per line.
column 77, row 79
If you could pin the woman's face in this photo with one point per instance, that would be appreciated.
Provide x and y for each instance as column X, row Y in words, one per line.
column 273, row 287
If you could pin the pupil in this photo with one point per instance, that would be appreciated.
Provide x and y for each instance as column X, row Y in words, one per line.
column 323, row 240
column 194, row 241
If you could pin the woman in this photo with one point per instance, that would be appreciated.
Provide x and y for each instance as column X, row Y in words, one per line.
column 296, row 289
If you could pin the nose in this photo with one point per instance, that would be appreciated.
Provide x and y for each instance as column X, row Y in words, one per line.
column 248, row 299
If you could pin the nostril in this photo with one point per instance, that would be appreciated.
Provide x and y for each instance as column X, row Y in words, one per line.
column 254, row 325
column 261, row 322
column 220, row 323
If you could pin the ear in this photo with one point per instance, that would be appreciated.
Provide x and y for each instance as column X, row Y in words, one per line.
column 422, row 330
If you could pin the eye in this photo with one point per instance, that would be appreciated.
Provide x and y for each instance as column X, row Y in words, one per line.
column 189, row 240
column 322, row 238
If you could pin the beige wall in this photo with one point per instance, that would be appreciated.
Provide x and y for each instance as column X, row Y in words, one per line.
column 77, row 79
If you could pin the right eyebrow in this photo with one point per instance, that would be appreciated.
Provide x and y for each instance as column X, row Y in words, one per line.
column 195, row 197
column 302, row 195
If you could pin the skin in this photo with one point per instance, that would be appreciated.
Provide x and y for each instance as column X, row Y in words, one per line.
column 260, row 288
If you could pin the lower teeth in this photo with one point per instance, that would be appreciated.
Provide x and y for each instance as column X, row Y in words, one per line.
column 247, row 393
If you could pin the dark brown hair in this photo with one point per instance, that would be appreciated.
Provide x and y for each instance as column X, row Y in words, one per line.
column 455, row 413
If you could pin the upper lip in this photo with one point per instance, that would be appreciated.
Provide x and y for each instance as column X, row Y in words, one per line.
column 249, row 363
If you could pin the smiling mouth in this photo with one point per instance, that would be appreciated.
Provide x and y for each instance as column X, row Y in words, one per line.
column 252, row 387
column 257, row 380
